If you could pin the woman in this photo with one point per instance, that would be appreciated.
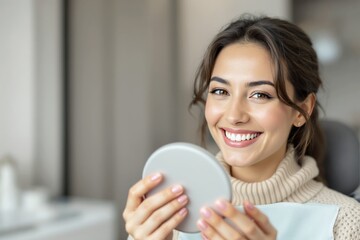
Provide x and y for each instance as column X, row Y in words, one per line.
column 258, row 82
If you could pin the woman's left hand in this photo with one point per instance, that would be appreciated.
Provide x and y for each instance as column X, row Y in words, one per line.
column 251, row 224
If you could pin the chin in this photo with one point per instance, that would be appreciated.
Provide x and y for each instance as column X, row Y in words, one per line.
column 237, row 160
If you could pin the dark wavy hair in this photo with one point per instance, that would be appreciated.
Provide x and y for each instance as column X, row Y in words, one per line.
column 294, row 59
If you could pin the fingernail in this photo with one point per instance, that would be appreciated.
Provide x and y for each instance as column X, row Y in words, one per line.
column 176, row 189
column 182, row 212
column 249, row 205
column 182, row 199
column 155, row 177
column 202, row 225
column 205, row 212
column 221, row 205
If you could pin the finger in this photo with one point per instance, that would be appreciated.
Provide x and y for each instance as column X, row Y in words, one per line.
column 167, row 227
column 204, row 237
column 245, row 225
column 156, row 201
column 137, row 191
column 261, row 219
column 163, row 214
column 219, row 224
column 208, row 231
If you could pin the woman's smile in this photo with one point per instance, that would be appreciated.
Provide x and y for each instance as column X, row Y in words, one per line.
column 240, row 138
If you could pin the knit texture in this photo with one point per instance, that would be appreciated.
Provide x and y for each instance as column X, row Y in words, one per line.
column 293, row 182
column 290, row 183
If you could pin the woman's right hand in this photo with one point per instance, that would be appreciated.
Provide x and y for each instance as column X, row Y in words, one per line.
column 154, row 217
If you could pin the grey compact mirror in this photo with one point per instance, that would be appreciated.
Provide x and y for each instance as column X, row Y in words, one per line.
column 197, row 170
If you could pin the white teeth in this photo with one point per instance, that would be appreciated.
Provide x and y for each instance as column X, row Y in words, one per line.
column 240, row 137
column 227, row 134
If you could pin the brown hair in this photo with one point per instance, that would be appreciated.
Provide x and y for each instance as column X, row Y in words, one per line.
column 294, row 59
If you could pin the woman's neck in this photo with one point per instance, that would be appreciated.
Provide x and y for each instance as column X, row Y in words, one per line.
column 260, row 171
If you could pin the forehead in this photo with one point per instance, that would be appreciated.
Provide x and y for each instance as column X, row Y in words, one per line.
column 244, row 60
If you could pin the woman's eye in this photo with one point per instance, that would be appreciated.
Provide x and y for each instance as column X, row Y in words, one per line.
column 219, row 92
column 260, row 95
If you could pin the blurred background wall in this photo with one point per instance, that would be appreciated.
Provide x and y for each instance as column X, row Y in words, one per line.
column 17, row 84
column 31, row 118
column 131, row 65
column 332, row 27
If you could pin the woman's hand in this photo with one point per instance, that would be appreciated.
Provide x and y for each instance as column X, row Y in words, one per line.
column 251, row 225
column 154, row 217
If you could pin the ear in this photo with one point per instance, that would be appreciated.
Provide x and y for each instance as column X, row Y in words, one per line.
column 308, row 106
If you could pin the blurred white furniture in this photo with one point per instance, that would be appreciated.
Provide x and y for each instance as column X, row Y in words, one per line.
column 71, row 219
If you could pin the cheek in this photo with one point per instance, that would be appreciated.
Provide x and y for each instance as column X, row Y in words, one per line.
column 276, row 118
column 212, row 112
column 208, row 113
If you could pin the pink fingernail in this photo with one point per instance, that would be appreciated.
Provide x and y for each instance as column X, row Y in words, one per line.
column 155, row 177
column 221, row 205
column 249, row 205
column 202, row 225
column 182, row 212
column 205, row 212
column 182, row 199
column 176, row 189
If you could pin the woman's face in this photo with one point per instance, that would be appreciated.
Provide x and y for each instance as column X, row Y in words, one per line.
column 245, row 117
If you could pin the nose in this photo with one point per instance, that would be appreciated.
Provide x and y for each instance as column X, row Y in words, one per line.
column 237, row 112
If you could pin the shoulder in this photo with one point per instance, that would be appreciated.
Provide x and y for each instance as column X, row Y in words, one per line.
column 330, row 196
column 347, row 225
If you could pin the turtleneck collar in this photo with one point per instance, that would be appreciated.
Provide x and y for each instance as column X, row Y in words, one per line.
column 290, row 182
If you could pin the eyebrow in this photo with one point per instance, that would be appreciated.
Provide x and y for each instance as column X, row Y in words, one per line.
column 249, row 84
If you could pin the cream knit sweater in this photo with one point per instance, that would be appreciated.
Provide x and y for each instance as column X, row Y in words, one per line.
column 294, row 183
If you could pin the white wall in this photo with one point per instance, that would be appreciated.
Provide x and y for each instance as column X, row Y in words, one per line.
column 30, row 90
column 17, row 85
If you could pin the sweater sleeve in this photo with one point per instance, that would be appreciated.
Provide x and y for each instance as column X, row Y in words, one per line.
column 348, row 223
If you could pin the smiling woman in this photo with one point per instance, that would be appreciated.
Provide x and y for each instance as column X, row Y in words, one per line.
column 258, row 82
column 248, row 110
